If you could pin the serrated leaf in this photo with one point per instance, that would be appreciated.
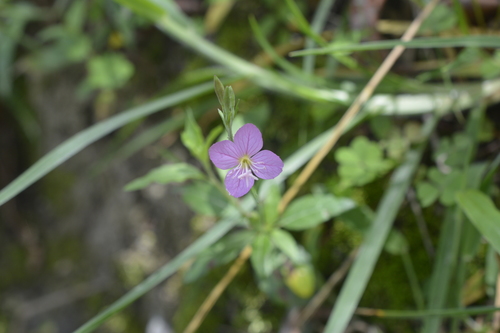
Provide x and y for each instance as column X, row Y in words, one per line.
column 361, row 163
column 311, row 210
column 109, row 71
column 171, row 173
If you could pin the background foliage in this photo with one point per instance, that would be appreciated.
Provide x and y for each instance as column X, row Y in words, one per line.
column 108, row 110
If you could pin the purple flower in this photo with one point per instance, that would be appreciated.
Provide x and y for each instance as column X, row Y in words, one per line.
column 246, row 161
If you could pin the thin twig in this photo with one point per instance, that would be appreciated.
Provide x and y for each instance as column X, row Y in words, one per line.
column 323, row 293
column 218, row 290
column 353, row 110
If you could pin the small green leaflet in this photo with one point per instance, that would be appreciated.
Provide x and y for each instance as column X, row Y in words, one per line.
column 171, row 173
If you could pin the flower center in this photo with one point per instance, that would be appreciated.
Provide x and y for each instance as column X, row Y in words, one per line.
column 245, row 162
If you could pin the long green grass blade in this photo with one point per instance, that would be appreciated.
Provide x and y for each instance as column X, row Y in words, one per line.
column 209, row 238
column 86, row 137
column 444, row 266
column 373, row 243
column 428, row 42
column 427, row 313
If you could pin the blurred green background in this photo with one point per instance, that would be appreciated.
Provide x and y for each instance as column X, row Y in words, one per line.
column 75, row 241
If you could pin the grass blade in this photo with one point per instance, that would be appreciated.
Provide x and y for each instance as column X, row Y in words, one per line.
column 209, row 238
column 88, row 136
column 426, row 313
column 373, row 243
column 428, row 42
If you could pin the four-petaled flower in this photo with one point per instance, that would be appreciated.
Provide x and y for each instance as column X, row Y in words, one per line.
column 246, row 161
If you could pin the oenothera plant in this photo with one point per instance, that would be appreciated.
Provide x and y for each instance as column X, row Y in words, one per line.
column 282, row 267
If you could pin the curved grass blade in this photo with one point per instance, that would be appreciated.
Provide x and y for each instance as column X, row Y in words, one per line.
column 428, row 42
column 373, row 243
column 84, row 138
column 209, row 238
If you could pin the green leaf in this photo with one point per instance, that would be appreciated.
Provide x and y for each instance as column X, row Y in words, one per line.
column 209, row 238
column 442, row 18
column 361, row 163
column 192, row 138
column 261, row 255
column 143, row 8
column 271, row 202
column 204, row 198
column 109, row 71
column 84, row 138
column 212, row 136
column 75, row 16
column 171, row 173
column 219, row 90
column 483, row 214
column 427, row 193
column 396, row 243
column 311, row 210
column 218, row 254
column 284, row 241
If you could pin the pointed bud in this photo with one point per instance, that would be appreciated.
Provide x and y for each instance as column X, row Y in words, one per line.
column 219, row 89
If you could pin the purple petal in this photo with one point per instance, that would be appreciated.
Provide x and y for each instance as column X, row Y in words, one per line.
column 266, row 165
column 248, row 139
column 238, row 187
column 224, row 154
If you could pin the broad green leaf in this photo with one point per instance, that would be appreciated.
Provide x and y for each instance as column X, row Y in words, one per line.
column 192, row 137
column 311, row 210
column 222, row 252
column 84, row 138
column 109, row 71
column 204, row 198
column 212, row 136
column 261, row 255
column 209, row 238
column 170, row 173
column 481, row 211
column 284, row 241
